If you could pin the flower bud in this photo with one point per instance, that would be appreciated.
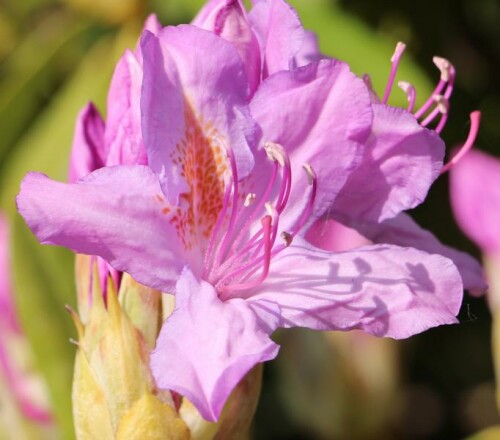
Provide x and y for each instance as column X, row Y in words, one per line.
column 114, row 394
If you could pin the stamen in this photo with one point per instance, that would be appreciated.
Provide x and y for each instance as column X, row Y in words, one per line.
column 475, row 119
column 220, row 220
column 278, row 155
column 411, row 94
column 288, row 236
column 311, row 175
column 447, row 76
column 275, row 152
column 254, row 246
column 266, row 226
column 256, row 211
column 234, row 210
column 249, row 199
column 396, row 57
column 443, row 104
column 444, row 66
column 442, row 107
column 313, row 181
column 273, row 212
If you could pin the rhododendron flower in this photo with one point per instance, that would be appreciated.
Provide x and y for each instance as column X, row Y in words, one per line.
column 271, row 38
column 216, row 216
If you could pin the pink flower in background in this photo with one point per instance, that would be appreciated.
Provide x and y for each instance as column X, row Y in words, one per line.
column 475, row 197
column 233, row 180
column 23, row 384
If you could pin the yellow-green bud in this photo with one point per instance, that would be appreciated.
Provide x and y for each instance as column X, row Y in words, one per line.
column 113, row 388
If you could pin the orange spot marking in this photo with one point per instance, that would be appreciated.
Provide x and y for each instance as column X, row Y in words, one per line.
column 202, row 163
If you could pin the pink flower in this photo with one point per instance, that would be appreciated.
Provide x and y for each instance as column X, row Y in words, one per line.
column 234, row 177
column 475, row 197
column 14, row 348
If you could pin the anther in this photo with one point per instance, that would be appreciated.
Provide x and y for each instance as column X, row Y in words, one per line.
column 406, row 87
column 249, row 199
column 444, row 66
column 311, row 175
column 443, row 104
column 271, row 210
column 411, row 93
column 398, row 52
column 287, row 238
column 400, row 48
column 275, row 152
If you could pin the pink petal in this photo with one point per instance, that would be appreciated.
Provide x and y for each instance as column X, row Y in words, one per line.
column 279, row 32
column 401, row 161
column 321, row 115
column 152, row 25
column 384, row 290
column 228, row 19
column 117, row 213
column 333, row 236
column 309, row 50
column 403, row 231
column 206, row 346
column 209, row 12
column 88, row 152
column 123, row 126
column 184, row 95
column 475, row 198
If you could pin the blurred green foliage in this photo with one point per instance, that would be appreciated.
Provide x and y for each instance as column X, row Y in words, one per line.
column 55, row 57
